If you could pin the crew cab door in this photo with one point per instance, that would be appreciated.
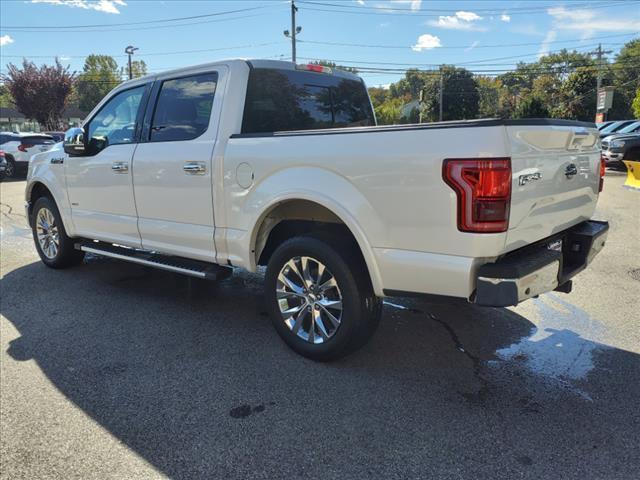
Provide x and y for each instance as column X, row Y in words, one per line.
column 100, row 184
column 172, row 166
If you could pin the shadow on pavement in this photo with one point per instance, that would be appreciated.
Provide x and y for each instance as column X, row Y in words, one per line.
column 193, row 378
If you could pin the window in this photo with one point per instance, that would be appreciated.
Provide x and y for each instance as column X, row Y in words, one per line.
column 37, row 140
column 115, row 123
column 284, row 100
column 184, row 107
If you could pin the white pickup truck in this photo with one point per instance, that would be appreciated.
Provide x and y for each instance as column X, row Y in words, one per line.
column 245, row 163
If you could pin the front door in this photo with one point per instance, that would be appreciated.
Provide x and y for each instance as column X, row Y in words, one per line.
column 172, row 166
column 100, row 184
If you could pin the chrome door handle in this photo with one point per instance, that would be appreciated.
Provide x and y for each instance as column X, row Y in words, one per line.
column 119, row 167
column 194, row 168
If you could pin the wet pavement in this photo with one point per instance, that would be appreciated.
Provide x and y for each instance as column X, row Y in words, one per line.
column 112, row 370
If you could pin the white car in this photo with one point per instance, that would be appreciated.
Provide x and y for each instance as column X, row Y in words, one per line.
column 247, row 163
column 20, row 147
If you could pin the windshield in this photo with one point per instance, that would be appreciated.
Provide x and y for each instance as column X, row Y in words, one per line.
column 630, row 128
column 614, row 127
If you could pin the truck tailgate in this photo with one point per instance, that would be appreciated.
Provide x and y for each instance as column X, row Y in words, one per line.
column 556, row 177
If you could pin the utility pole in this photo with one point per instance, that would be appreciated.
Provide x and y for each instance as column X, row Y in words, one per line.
column 129, row 51
column 600, row 53
column 441, row 97
column 294, row 31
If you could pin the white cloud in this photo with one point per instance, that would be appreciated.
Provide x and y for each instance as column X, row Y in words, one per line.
column 64, row 58
column 472, row 46
column 505, row 18
column 360, row 2
column 426, row 42
column 589, row 21
column 106, row 6
column 460, row 21
column 413, row 4
column 544, row 47
column 5, row 40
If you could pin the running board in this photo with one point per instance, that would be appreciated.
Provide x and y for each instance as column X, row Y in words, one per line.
column 185, row 266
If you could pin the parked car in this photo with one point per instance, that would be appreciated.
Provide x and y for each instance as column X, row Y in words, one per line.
column 57, row 136
column 601, row 125
column 246, row 163
column 617, row 148
column 20, row 147
column 3, row 164
column 614, row 127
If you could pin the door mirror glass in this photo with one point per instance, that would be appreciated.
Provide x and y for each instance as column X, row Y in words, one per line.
column 74, row 144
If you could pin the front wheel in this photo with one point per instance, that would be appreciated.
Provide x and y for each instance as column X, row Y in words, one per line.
column 55, row 248
column 10, row 170
column 320, row 298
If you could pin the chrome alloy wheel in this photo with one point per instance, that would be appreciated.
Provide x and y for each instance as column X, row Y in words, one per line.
column 309, row 299
column 47, row 232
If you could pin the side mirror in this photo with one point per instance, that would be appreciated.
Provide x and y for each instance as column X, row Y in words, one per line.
column 74, row 143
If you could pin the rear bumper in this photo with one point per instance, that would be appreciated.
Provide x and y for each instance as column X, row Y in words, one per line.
column 536, row 269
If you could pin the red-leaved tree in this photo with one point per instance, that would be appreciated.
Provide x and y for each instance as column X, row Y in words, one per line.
column 41, row 93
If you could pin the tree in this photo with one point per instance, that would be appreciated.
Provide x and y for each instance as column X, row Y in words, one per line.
column 636, row 104
column 531, row 107
column 5, row 97
column 389, row 112
column 41, row 94
column 489, row 93
column 99, row 77
column 138, row 69
column 461, row 99
column 578, row 95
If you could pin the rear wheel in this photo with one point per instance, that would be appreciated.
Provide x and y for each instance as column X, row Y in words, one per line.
column 10, row 171
column 320, row 298
column 55, row 248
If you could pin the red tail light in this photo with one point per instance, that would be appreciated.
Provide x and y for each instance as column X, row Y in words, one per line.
column 483, row 188
column 312, row 67
column 603, row 168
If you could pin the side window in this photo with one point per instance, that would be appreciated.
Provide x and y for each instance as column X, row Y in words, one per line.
column 183, row 108
column 115, row 123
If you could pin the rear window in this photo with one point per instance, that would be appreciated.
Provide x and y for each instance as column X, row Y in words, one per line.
column 285, row 100
column 8, row 138
column 37, row 140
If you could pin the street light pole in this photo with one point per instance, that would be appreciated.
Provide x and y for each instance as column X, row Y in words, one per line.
column 294, row 31
column 129, row 51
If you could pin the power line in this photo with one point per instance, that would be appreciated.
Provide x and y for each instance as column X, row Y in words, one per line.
column 174, row 19
column 504, row 45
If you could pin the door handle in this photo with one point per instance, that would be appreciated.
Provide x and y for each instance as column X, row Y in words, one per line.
column 119, row 167
column 194, row 168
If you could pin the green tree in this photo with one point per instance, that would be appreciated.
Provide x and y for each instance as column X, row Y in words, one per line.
column 531, row 107
column 40, row 93
column 624, row 75
column 389, row 112
column 138, row 69
column 636, row 104
column 489, row 91
column 460, row 99
column 99, row 77
column 6, row 100
column 578, row 94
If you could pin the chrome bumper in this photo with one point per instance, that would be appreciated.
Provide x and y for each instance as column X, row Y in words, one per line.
column 537, row 269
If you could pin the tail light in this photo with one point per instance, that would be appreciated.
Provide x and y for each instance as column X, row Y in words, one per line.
column 603, row 167
column 23, row 147
column 1, row 154
column 312, row 67
column 483, row 188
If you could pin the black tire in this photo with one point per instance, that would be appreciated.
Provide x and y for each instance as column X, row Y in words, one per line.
column 361, row 309
column 10, row 171
column 66, row 255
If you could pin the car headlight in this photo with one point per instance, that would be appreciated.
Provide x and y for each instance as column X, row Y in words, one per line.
column 617, row 144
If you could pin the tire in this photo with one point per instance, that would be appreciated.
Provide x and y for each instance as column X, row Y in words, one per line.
column 55, row 248
column 304, row 296
column 10, row 171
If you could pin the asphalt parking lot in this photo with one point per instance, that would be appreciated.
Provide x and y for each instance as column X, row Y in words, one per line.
column 111, row 370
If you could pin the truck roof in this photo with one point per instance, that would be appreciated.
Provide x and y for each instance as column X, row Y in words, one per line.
column 252, row 63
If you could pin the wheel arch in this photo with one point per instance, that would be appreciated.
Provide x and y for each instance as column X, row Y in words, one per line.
column 320, row 209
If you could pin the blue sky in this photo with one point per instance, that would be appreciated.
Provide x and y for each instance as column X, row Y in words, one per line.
column 488, row 36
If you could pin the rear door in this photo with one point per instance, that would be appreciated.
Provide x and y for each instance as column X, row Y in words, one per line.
column 556, row 177
column 173, row 168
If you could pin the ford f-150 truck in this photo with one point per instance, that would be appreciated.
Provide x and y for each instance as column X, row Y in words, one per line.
column 247, row 163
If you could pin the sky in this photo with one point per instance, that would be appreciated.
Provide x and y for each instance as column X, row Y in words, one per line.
column 379, row 37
